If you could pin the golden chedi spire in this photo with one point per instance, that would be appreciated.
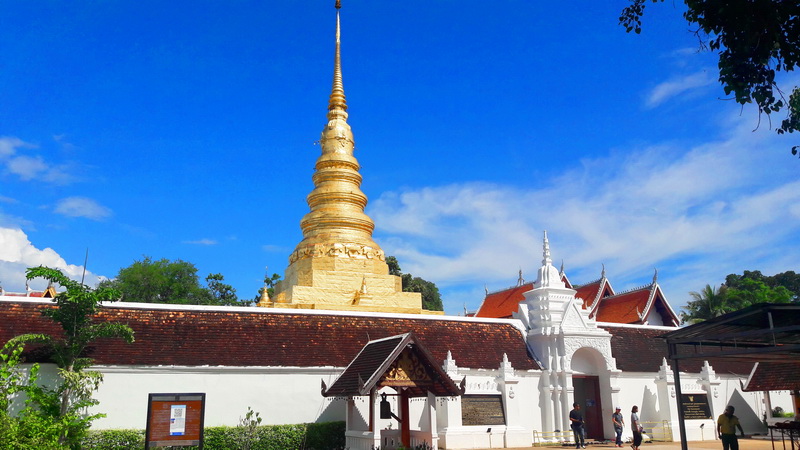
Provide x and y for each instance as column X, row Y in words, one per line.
column 337, row 258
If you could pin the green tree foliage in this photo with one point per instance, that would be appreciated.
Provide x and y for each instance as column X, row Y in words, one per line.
column 738, row 292
column 706, row 304
column 221, row 293
column 431, row 299
column 161, row 281
column 58, row 412
column 394, row 266
column 177, row 282
column 750, row 292
column 754, row 39
column 789, row 280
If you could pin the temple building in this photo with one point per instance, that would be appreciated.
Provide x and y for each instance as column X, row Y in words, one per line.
column 339, row 340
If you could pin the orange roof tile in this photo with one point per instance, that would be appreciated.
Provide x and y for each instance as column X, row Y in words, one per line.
column 625, row 307
column 501, row 305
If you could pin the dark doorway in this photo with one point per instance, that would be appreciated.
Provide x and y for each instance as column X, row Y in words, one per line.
column 587, row 393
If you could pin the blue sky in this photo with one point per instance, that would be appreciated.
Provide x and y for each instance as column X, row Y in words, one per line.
column 185, row 130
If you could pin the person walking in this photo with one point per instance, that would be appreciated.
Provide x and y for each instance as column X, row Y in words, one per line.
column 726, row 429
column 636, row 427
column 619, row 423
column 576, row 423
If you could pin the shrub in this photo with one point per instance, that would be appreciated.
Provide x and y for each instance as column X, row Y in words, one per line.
column 313, row 436
column 114, row 439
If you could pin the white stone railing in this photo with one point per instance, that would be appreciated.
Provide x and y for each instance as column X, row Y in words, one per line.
column 359, row 440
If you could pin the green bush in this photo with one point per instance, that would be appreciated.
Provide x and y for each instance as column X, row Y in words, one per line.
column 313, row 436
column 114, row 439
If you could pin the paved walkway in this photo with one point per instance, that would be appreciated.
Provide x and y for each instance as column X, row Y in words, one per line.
column 744, row 444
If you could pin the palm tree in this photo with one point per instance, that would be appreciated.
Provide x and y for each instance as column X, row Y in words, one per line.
column 709, row 303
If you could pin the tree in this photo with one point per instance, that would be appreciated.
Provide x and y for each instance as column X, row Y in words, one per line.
column 161, row 281
column 788, row 280
column 754, row 39
column 221, row 293
column 394, row 266
column 750, row 292
column 62, row 407
column 431, row 299
column 165, row 281
column 709, row 303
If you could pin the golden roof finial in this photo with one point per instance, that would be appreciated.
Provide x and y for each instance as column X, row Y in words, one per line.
column 337, row 104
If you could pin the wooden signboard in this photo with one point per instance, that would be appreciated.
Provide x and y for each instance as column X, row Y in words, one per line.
column 695, row 406
column 175, row 420
column 482, row 410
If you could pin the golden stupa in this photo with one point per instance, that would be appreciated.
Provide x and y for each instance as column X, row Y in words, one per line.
column 337, row 265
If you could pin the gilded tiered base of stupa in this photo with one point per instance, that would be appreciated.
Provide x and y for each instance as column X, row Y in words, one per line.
column 356, row 282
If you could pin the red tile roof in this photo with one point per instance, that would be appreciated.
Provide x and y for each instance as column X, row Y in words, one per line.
column 196, row 336
column 502, row 304
column 624, row 308
column 639, row 349
column 769, row 376
column 627, row 307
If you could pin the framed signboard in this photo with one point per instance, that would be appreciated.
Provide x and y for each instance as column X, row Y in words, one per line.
column 695, row 406
column 175, row 420
column 482, row 410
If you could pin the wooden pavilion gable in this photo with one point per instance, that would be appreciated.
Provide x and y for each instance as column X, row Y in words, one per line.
column 397, row 361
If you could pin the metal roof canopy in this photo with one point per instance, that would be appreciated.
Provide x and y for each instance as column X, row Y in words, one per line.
column 762, row 332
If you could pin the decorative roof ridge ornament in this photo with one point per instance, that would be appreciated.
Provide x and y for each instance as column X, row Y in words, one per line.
column 546, row 251
column 603, row 272
column 655, row 275
column 548, row 276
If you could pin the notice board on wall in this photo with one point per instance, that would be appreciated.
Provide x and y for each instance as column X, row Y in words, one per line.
column 175, row 420
column 695, row 406
column 482, row 410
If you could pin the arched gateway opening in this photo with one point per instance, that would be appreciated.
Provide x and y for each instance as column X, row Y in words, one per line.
column 586, row 367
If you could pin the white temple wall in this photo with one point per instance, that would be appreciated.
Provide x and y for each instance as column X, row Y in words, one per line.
column 292, row 395
column 283, row 395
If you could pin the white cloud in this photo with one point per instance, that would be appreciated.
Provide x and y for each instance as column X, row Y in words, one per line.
column 35, row 167
column 26, row 167
column 17, row 254
column 10, row 144
column 676, row 86
column 82, row 207
column 204, row 241
column 720, row 207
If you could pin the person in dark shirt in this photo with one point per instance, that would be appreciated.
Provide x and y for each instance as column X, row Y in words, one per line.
column 576, row 423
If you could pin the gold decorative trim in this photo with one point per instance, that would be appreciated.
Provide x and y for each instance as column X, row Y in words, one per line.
column 337, row 250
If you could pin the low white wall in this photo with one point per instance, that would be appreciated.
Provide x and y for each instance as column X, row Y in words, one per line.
column 282, row 395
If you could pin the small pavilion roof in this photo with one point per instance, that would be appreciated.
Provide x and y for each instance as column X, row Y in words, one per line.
column 369, row 369
column 774, row 376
